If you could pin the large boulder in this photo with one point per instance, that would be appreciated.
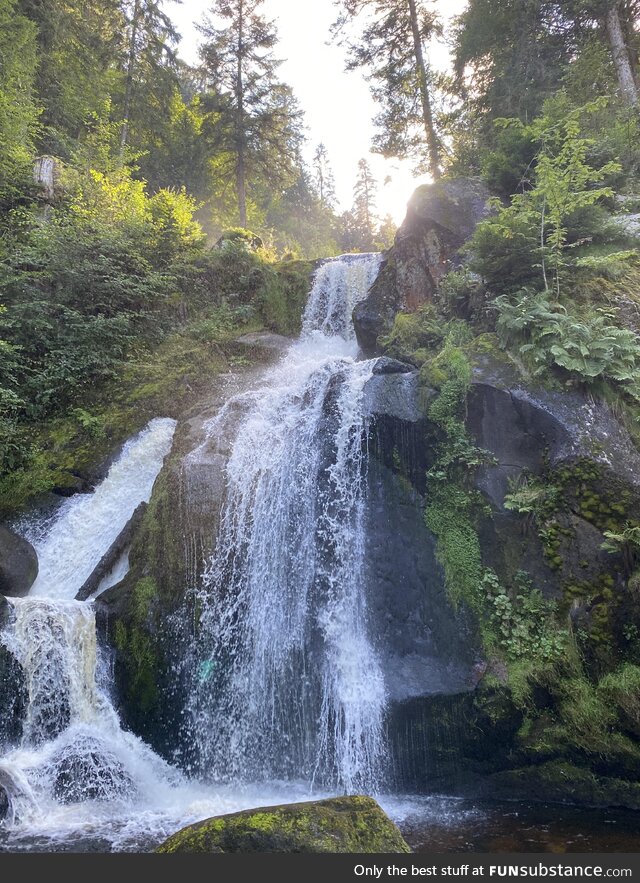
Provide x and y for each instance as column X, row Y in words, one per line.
column 440, row 219
column 341, row 824
column 558, row 438
column 18, row 564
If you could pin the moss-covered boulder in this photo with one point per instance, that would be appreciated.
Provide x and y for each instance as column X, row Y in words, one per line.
column 341, row 824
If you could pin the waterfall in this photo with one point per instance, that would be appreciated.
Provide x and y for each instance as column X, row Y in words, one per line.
column 73, row 751
column 286, row 679
column 286, row 693
column 86, row 525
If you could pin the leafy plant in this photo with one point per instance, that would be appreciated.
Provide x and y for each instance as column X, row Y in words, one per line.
column 547, row 335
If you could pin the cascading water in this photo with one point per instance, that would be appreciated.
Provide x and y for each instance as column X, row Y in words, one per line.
column 73, row 752
column 287, row 693
column 287, row 683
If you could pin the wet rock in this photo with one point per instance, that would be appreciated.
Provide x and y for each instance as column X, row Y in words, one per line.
column 18, row 564
column 86, row 770
column 385, row 365
column 393, row 395
column 5, row 804
column 440, row 219
column 522, row 425
column 264, row 340
column 109, row 559
column 13, row 688
column 563, row 782
column 338, row 825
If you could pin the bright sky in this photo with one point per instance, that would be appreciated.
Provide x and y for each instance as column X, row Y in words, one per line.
column 338, row 106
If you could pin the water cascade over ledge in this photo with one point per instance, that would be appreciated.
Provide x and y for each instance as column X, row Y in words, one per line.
column 286, row 693
column 286, row 680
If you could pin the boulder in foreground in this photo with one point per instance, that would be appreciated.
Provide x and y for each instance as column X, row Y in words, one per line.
column 341, row 824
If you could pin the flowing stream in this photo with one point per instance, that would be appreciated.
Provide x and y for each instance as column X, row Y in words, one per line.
column 287, row 696
column 287, row 683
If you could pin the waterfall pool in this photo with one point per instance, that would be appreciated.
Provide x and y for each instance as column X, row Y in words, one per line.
column 429, row 824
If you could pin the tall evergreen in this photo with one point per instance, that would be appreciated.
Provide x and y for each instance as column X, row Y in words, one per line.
column 148, row 65
column 392, row 49
column 259, row 121
column 77, row 47
column 364, row 206
column 324, row 176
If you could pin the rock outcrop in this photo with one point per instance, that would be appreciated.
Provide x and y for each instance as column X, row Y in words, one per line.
column 440, row 219
column 338, row 825
column 18, row 564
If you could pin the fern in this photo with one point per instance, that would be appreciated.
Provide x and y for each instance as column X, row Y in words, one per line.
column 546, row 336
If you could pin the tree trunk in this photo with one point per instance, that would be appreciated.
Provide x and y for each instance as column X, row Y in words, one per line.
column 241, row 182
column 433, row 147
column 621, row 57
column 128, row 92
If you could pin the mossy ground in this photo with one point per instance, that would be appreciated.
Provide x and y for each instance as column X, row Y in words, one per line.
column 338, row 825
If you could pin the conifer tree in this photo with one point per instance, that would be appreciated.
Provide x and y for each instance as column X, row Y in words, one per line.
column 324, row 176
column 259, row 120
column 392, row 48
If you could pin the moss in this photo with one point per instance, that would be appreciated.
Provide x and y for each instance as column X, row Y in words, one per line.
column 338, row 825
column 565, row 782
column 283, row 296
column 621, row 690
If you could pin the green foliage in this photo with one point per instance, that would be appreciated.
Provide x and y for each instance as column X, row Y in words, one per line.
column 392, row 49
column 452, row 506
column 534, row 232
column 18, row 106
column 621, row 688
column 449, row 515
column 259, row 122
column 528, row 496
column 523, row 620
column 546, row 335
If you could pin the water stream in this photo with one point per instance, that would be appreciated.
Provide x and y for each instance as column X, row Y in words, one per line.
column 283, row 659
column 285, row 693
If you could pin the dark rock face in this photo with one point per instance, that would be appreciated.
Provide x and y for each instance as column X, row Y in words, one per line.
column 338, row 825
column 13, row 690
column 18, row 564
column 425, row 646
column 528, row 430
column 385, row 365
column 440, row 218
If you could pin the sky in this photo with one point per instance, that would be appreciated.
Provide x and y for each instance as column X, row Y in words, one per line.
column 338, row 106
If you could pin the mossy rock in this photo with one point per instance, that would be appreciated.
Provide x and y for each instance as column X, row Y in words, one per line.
column 341, row 824
column 561, row 782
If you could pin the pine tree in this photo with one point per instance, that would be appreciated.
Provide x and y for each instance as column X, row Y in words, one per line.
column 78, row 43
column 391, row 48
column 364, row 207
column 149, row 65
column 259, row 121
column 18, row 110
column 324, row 176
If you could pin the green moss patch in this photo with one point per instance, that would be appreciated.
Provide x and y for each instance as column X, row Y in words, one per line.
column 341, row 824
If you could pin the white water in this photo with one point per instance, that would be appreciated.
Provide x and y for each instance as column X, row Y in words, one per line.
column 86, row 525
column 288, row 696
column 286, row 679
